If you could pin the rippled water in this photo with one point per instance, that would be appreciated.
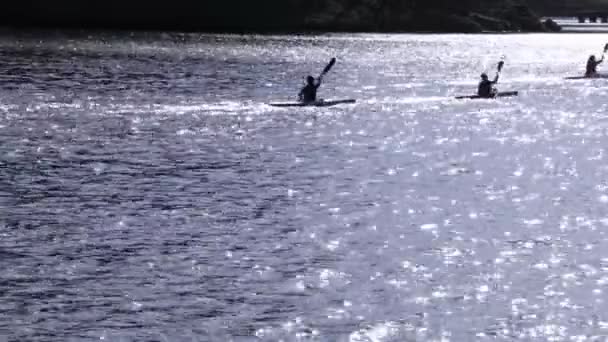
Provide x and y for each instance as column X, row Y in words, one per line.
column 148, row 193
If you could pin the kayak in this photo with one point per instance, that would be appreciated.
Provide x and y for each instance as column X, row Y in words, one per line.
column 500, row 94
column 320, row 103
column 586, row 77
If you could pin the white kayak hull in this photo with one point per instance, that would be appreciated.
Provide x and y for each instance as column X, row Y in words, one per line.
column 322, row 103
column 500, row 94
column 600, row 76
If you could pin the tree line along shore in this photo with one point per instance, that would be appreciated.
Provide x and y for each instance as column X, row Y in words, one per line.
column 470, row 16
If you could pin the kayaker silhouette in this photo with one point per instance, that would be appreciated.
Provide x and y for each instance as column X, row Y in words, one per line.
column 308, row 94
column 486, row 87
column 592, row 63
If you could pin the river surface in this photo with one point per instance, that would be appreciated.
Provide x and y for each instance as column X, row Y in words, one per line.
column 149, row 193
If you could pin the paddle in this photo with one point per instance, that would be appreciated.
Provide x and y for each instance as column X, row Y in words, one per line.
column 333, row 61
column 329, row 66
column 499, row 67
column 605, row 50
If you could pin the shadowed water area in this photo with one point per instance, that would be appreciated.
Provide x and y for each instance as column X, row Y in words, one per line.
column 149, row 193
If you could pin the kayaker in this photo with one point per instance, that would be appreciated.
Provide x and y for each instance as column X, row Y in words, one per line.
column 309, row 92
column 592, row 64
column 486, row 89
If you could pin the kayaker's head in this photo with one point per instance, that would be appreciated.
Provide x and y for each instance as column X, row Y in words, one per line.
column 592, row 58
column 310, row 80
column 484, row 76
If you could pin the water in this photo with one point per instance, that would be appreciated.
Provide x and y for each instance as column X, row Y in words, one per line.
column 148, row 193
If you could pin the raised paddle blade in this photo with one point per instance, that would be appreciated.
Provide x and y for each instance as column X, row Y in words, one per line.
column 500, row 65
column 329, row 66
column 605, row 48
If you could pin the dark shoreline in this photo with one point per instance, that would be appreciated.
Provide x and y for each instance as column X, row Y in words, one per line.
column 24, row 32
column 277, row 16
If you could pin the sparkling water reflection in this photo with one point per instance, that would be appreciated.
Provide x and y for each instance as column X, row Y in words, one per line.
column 148, row 193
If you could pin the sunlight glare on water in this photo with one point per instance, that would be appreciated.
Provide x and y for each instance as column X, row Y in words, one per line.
column 148, row 191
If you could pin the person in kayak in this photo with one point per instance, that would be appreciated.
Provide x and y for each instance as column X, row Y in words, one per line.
column 309, row 92
column 592, row 64
column 486, row 87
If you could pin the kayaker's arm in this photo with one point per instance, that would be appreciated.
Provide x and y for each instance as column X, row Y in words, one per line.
column 496, row 78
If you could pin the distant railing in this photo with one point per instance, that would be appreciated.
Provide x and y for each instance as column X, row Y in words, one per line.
column 593, row 17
